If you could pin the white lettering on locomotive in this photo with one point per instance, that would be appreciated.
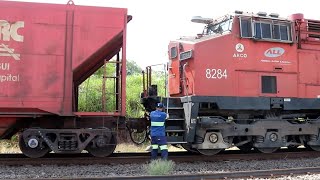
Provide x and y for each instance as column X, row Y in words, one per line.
column 239, row 55
column 8, row 31
column 239, row 48
column 216, row 73
column 283, row 62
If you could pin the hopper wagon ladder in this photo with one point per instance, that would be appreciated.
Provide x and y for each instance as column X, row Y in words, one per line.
column 115, row 91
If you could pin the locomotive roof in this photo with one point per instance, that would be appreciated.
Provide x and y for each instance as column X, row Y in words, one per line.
column 271, row 16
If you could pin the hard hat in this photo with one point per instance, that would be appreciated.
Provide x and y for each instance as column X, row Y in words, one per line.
column 159, row 105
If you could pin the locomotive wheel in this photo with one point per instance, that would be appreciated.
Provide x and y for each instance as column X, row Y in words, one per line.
column 245, row 148
column 268, row 150
column 209, row 152
column 189, row 148
column 307, row 146
column 39, row 151
column 293, row 147
column 102, row 150
column 315, row 148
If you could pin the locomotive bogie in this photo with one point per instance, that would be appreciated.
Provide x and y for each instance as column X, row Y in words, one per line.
column 260, row 133
column 262, row 123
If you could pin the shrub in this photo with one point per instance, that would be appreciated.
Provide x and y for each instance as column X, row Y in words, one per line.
column 160, row 167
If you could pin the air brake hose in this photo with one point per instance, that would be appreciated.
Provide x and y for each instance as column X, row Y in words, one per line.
column 145, row 136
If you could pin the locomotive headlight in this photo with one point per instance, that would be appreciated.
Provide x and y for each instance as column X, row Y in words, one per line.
column 273, row 137
column 213, row 138
column 186, row 55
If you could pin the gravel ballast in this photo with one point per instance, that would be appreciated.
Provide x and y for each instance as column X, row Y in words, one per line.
column 87, row 171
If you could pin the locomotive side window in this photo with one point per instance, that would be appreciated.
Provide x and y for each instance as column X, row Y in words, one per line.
column 173, row 52
column 265, row 30
column 245, row 28
column 276, row 32
column 257, row 30
column 269, row 84
column 262, row 30
column 284, row 33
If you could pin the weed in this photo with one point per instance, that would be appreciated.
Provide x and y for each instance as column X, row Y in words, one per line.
column 159, row 167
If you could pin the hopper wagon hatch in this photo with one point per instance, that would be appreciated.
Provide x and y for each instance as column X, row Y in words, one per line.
column 46, row 52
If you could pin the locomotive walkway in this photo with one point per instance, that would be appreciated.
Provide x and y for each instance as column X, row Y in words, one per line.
column 130, row 158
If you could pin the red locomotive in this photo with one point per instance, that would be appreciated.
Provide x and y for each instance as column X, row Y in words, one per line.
column 46, row 52
column 248, row 80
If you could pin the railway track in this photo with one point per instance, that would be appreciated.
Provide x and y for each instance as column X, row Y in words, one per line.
column 228, row 175
column 129, row 158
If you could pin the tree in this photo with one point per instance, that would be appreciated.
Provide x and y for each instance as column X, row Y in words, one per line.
column 133, row 68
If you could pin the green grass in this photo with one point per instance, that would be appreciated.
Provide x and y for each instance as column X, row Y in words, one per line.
column 160, row 167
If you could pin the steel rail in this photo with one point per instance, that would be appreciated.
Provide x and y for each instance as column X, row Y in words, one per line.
column 130, row 158
column 228, row 175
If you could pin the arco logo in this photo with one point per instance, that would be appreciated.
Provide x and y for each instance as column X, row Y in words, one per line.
column 274, row 52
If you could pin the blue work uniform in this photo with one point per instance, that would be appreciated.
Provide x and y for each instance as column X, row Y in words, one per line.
column 158, row 134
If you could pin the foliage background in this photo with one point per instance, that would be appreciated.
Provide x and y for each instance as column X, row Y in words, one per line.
column 90, row 91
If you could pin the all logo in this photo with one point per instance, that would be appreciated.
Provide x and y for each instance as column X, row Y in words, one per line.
column 239, row 48
column 274, row 52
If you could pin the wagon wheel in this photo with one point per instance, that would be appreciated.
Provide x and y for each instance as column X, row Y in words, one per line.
column 209, row 152
column 268, row 150
column 34, row 148
column 100, row 147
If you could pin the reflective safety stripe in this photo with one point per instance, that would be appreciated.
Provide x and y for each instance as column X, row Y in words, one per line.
column 157, row 123
column 154, row 146
column 163, row 147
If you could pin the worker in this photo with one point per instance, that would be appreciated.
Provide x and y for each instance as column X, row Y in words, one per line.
column 158, row 132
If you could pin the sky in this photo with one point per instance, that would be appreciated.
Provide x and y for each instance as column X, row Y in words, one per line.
column 156, row 22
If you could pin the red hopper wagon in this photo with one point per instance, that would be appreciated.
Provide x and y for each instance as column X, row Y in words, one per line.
column 46, row 52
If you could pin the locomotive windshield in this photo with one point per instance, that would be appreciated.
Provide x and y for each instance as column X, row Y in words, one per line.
column 218, row 26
